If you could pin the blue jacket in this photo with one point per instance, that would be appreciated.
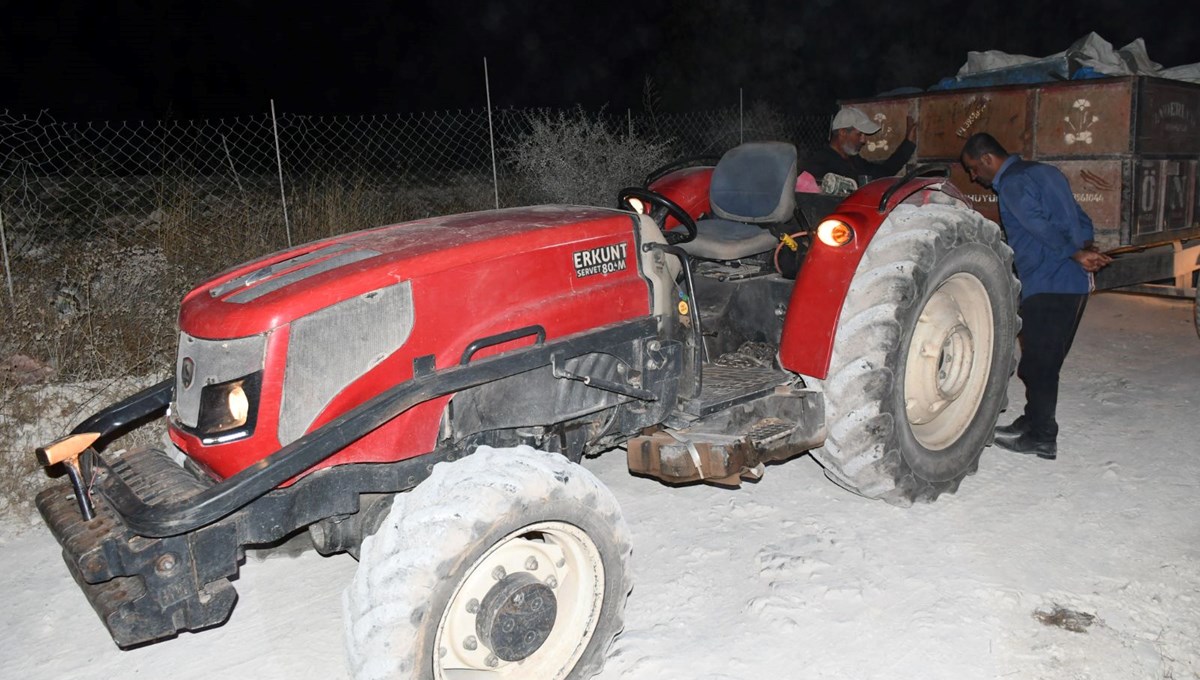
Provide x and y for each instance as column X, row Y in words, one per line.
column 1045, row 227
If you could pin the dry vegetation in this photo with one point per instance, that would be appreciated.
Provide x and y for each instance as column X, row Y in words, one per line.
column 29, row 412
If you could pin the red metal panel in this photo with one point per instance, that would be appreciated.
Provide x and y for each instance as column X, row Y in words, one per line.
column 1085, row 118
column 405, row 251
column 947, row 120
column 1097, row 188
column 892, row 116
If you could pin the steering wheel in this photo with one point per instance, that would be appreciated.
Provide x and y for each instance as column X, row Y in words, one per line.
column 658, row 200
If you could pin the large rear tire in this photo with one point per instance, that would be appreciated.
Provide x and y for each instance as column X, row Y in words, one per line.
column 509, row 563
column 922, row 355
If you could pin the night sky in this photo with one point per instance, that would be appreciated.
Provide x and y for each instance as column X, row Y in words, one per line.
column 155, row 59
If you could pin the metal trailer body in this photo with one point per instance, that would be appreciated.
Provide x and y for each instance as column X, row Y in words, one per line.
column 1129, row 147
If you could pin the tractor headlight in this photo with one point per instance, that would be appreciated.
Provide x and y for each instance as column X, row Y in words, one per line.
column 239, row 405
column 835, row 233
column 229, row 406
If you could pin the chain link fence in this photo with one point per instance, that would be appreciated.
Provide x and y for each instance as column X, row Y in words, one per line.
column 105, row 225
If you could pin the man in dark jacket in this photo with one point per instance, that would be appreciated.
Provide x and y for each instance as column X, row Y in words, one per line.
column 847, row 136
column 1051, row 237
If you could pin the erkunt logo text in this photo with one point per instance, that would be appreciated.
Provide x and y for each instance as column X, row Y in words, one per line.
column 602, row 260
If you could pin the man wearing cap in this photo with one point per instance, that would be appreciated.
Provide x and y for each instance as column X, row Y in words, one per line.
column 847, row 135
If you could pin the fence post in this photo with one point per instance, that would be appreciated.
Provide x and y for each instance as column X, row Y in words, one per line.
column 487, row 88
column 237, row 180
column 12, row 299
column 279, row 164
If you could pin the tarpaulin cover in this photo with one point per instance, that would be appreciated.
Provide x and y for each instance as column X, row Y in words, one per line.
column 1089, row 57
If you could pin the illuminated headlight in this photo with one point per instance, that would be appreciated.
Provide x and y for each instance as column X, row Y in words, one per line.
column 229, row 406
column 835, row 233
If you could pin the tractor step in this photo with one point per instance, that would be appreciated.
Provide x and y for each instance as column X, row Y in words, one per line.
column 727, row 386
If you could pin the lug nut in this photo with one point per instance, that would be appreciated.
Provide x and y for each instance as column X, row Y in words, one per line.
column 472, row 606
column 470, row 644
column 166, row 564
column 498, row 573
column 531, row 564
column 492, row 661
column 552, row 582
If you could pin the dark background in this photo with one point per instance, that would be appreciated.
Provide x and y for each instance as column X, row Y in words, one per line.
column 155, row 59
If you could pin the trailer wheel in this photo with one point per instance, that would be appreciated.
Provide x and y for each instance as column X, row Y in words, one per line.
column 509, row 563
column 922, row 355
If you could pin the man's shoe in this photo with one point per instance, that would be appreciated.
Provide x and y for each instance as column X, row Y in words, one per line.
column 1025, row 443
column 1018, row 426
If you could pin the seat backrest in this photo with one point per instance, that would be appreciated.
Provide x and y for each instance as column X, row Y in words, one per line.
column 755, row 183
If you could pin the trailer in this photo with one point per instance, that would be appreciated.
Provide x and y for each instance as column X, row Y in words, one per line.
column 1129, row 146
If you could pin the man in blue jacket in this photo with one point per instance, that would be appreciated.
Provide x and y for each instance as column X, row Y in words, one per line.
column 1051, row 238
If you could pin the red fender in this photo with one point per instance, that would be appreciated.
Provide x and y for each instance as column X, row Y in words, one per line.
column 825, row 278
column 688, row 188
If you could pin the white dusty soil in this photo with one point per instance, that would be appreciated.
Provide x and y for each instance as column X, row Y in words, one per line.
column 795, row 578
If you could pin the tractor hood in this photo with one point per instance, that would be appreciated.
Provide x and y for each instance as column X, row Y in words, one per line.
column 267, row 293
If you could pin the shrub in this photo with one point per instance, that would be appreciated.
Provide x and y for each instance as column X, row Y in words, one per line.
column 575, row 157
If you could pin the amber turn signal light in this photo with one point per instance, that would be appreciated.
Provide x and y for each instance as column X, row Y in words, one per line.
column 835, row 233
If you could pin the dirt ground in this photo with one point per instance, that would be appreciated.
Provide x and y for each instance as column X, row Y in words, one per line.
column 1087, row 567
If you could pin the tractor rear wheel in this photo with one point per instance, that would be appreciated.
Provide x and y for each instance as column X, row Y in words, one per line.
column 509, row 563
column 922, row 355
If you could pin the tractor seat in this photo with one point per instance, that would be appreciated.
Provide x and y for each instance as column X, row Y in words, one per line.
column 752, row 189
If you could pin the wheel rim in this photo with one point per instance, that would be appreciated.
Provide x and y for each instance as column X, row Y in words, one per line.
column 498, row 610
column 949, row 359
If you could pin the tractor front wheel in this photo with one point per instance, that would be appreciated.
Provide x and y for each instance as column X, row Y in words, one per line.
column 509, row 563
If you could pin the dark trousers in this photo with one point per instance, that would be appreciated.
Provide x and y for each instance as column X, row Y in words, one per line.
column 1048, row 325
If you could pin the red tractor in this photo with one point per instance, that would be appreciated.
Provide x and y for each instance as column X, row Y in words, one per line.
column 421, row 395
